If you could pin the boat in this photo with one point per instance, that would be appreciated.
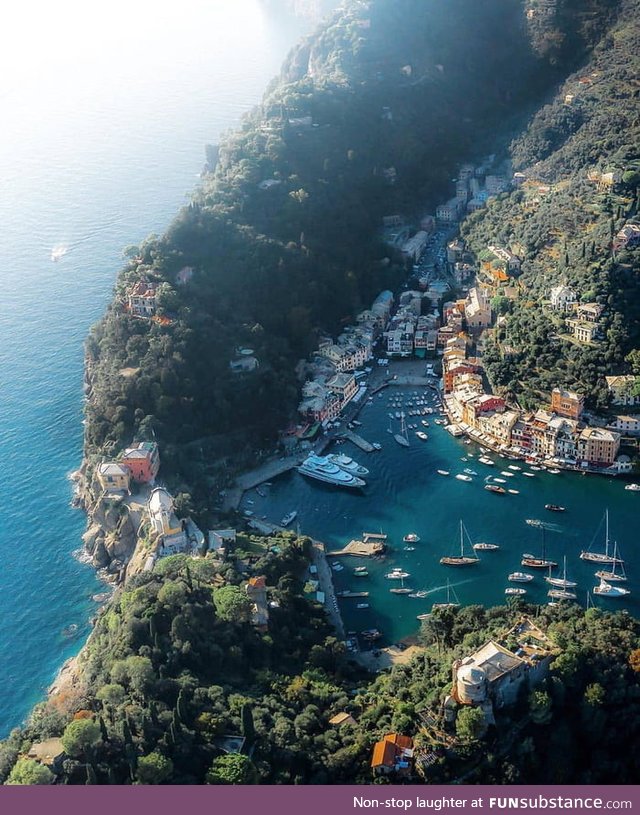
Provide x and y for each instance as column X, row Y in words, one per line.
column 402, row 437
column 602, row 557
column 322, row 469
column 469, row 471
column 520, row 577
column 484, row 460
column 337, row 567
column 422, row 436
column 614, row 575
column 528, row 474
column 70, row 630
column 553, row 471
column 376, row 445
column 409, row 549
column 633, row 487
column 500, row 480
column 541, row 562
column 561, row 582
column 607, row 590
column 361, row 572
column 449, row 603
column 485, row 547
column 495, row 488
column 562, row 594
column 411, row 538
column 506, row 473
column 371, row 634
column 289, row 518
column 348, row 465
column 58, row 252
column 554, row 508
column 397, row 574
column 442, row 472
column 424, row 423
column 463, row 477
column 362, row 605
column 515, row 590
column 461, row 559
column 513, row 492
column 423, row 616
column 402, row 590
column 514, row 467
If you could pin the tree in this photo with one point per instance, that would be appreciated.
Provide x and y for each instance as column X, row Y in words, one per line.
column 232, row 604
column 154, row 769
column 540, row 707
column 27, row 772
column 79, row 736
column 232, row 769
column 470, row 724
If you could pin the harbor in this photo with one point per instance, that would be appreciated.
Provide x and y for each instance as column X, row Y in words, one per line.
column 414, row 489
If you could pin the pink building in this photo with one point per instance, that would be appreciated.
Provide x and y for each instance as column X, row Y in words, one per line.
column 142, row 461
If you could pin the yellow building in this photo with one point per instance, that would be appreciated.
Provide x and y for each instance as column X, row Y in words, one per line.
column 113, row 477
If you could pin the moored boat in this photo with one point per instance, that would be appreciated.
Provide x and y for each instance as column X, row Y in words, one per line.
column 495, row 488
column 633, row 487
column 520, row 577
column 289, row 518
column 461, row 559
column 486, row 547
column 411, row 538
column 514, row 590
column 562, row 594
column 348, row 465
column 463, row 477
column 602, row 557
column 322, row 469
column 607, row 590
column 442, row 472
column 554, row 508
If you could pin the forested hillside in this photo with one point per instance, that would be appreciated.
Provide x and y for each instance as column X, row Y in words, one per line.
column 175, row 674
column 283, row 237
column 563, row 220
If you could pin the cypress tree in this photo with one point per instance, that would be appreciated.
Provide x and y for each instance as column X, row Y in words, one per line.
column 91, row 775
column 248, row 727
column 103, row 729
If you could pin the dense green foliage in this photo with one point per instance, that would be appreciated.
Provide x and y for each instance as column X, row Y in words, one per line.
column 565, row 234
column 169, row 685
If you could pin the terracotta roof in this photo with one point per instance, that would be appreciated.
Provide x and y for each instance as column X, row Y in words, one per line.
column 258, row 582
column 403, row 742
column 384, row 754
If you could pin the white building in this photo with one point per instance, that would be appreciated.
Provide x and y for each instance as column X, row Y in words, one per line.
column 562, row 298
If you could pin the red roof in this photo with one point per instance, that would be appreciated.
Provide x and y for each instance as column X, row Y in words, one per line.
column 384, row 754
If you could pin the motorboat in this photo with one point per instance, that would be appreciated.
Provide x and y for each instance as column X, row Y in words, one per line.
column 442, row 472
column 495, row 488
column 397, row 574
column 463, row 477
column 422, row 436
column 411, row 538
column 633, row 487
column 289, row 518
column 514, row 590
column 554, row 508
column 607, row 590
column 485, row 547
column 520, row 577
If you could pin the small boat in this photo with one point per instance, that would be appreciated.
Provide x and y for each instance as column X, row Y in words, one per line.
column 614, row 575
column 376, row 445
column 463, row 477
column 506, row 473
column 338, row 568
column 514, row 590
column 469, row 471
column 484, row 460
column 514, row 467
column 289, row 518
column 449, row 603
column 442, row 472
column 520, row 577
column 495, row 488
column 514, row 492
column 361, row 573
column 403, row 590
column 500, row 480
column 423, row 616
column 536, row 468
column 633, row 487
column 528, row 474
column 397, row 574
column 461, row 559
column 562, row 594
column 561, row 582
column 553, row 471
column 362, row 605
column 554, row 508
column 411, row 538
column 424, row 423
column 422, row 436
column 409, row 549
column 485, row 547
column 607, row 590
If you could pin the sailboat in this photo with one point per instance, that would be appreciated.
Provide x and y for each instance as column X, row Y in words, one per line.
column 461, row 559
column 402, row 437
column 561, row 582
column 601, row 557
column 448, row 604
column 541, row 562
column 614, row 575
column 607, row 590
column 403, row 589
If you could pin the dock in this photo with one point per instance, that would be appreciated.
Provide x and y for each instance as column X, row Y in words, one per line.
column 359, row 548
column 370, row 537
column 363, row 444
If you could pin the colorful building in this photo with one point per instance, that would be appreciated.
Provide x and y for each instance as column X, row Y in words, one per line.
column 142, row 461
column 113, row 477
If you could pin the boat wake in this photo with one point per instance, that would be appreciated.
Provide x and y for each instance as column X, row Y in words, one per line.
column 58, row 252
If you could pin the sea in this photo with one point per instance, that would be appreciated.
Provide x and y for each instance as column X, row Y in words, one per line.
column 105, row 117
column 405, row 495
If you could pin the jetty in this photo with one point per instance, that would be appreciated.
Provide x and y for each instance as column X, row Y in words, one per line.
column 369, row 537
column 363, row 444
column 359, row 548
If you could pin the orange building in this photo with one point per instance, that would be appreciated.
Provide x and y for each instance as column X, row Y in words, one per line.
column 393, row 754
column 566, row 403
column 142, row 461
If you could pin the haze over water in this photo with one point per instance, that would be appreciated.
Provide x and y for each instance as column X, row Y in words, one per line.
column 105, row 117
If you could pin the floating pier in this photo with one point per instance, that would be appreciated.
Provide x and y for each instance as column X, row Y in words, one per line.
column 363, row 444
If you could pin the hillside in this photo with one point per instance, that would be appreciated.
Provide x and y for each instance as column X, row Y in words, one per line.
column 562, row 221
column 281, row 242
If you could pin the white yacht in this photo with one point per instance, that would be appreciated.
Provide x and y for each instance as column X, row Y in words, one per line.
column 520, row 577
column 289, row 518
column 323, row 470
column 607, row 590
column 348, row 465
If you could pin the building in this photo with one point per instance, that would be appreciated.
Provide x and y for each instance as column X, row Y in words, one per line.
column 495, row 184
column 393, row 754
column 623, row 389
column 141, row 299
column 344, row 385
column 415, row 246
column 450, row 211
column 113, row 477
column 142, row 461
column 567, row 403
column 597, row 446
column 477, row 309
column 627, row 237
column 341, row 719
column 627, row 425
column 221, row 539
column 382, row 306
column 318, row 402
column 512, row 262
column 565, row 436
column 584, row 332
column 49, row 753
column 589, row 312
column 257, row 593
column 562, row 298
column 495, row 674
column 164, row 522
column 244, row 364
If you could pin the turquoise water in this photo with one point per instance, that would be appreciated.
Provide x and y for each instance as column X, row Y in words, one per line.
column 405, row 494
column 97, row 151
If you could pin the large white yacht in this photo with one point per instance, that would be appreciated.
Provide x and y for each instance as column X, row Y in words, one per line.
column 348, row 464
column 324, row 470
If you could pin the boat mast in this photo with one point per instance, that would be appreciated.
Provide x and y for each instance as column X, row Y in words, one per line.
column 461, row 539
column 606, row 532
